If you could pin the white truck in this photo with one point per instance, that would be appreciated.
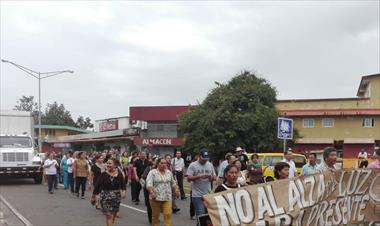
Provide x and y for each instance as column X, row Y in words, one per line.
column 18, row 156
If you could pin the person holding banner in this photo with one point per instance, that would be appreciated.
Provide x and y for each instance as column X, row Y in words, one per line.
column 231, row 174
column 375, row 164
column 329, row 160
column 281, row 170
column 201, row 174
column 311, row 167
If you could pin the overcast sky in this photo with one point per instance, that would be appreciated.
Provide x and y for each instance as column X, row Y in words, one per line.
column 170, row 53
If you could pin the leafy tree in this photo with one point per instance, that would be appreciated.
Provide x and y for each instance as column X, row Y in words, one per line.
column 26, row 103
column 239, row 113
column 84, row 123
column 56, row 114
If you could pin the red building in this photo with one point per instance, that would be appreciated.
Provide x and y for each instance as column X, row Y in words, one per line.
column 159, row 127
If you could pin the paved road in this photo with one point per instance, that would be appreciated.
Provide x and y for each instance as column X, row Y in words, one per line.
column 42, row 209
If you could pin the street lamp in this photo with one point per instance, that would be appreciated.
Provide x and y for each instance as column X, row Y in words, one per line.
column 39, row 76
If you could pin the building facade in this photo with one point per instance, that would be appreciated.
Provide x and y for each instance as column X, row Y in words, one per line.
column 159, row 128
column 350, row 124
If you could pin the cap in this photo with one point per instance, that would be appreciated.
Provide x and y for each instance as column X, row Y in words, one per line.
column 239, row 149
column 204, row 154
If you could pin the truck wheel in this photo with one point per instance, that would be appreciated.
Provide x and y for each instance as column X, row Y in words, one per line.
column 38, row 179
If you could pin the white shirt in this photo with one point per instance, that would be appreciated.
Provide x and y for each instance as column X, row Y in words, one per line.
column 292, row 168
column 178, row 164
column 362, row 155
column 51, row 170
column 70, row 168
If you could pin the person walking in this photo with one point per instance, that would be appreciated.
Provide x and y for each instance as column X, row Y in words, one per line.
column 329, row 160
column 151, row 166
column 178, row 164
column 160, row 184
column 375, row 164
column 222, row 166
column 242, row 157
column 70, row 164
column 255, row 170
column 170, row 167
column 132, row 177
column 112, row 188
column 81, row 172
column 201, row 174
column 242, row 174
column 311, row 167
column 231, row 175
column 96, row 170
column 281, row 170
column 288, row 158
column 64, row 167
column 140, row 165
column 50, row 166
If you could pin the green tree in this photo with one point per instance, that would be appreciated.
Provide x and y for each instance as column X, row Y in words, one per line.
column 84, row 123
column 239, row 113
column 26, row 103
column 56, row 114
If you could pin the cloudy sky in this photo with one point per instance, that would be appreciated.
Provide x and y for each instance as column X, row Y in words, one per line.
column 170, row 53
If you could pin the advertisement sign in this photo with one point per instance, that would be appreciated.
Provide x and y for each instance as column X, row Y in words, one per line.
column 108, row 125
column 332, row 198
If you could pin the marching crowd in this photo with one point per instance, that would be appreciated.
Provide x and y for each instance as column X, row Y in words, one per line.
column 161, row 178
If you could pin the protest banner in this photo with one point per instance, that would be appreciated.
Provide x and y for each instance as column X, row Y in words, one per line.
column 329, row 198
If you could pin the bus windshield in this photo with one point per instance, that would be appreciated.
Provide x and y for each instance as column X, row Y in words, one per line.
column 15, row 142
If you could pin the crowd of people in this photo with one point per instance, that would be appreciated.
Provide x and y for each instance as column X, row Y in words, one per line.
column 161, row 178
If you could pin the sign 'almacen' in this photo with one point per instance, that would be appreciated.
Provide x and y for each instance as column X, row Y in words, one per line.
column 331, row 198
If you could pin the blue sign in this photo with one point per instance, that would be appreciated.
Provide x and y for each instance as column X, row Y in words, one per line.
column 285, row 128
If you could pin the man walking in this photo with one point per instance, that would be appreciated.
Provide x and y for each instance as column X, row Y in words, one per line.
column 288, row 158
column 329, row 160
column 311, row 167
column 70, row 163
column 139, row 167
column 179, row 167
column 50, row 166
column 201, row 174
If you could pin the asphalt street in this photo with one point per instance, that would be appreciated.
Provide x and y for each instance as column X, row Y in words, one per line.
column 36, row 205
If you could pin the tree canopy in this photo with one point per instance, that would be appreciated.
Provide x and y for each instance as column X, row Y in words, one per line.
column 55, row 114
column 239, row 113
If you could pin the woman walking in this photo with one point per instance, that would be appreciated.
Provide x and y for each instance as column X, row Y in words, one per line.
column 242, row 174
column 65, row 171
column 111, row 187
column 96, row 170
column 231, row 175
column 281, row 170
column 160, row 183
column 81, row 172
column 255, row 170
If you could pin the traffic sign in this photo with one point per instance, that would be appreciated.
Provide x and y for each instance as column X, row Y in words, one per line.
column 285, row 128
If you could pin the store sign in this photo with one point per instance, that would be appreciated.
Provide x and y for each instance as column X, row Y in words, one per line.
column 154, row 141
column 108, row 125
column 62, row 145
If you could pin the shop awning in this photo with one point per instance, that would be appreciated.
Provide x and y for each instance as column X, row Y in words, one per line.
column 359, row 141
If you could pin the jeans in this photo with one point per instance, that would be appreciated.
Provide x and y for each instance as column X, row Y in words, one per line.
column 51, row 180
column 71, row 182
column 80, row 182
column 166, row 207
column 198, row 206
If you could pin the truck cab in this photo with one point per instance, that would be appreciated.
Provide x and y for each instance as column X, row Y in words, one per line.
column 18, row 158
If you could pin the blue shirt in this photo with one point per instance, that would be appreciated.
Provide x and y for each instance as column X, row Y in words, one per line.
column 308, row 169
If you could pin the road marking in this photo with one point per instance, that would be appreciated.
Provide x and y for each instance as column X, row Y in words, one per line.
column 25, row 221
column 123, row 205
column 133, row 208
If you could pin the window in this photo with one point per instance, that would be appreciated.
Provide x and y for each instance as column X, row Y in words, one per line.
column 368, row 122
column 308, row 123
column 327, row 122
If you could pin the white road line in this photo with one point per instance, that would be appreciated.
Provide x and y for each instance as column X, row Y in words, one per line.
column 123, row 205
column 25, row 221
column 132, row 208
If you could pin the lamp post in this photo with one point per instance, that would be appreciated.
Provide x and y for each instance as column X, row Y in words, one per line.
column 39, row 76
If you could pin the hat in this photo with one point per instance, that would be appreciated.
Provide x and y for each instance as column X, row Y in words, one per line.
column 239, row 149
column 204, row 154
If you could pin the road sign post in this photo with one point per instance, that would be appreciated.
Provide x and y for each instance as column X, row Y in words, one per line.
column 285, row 129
